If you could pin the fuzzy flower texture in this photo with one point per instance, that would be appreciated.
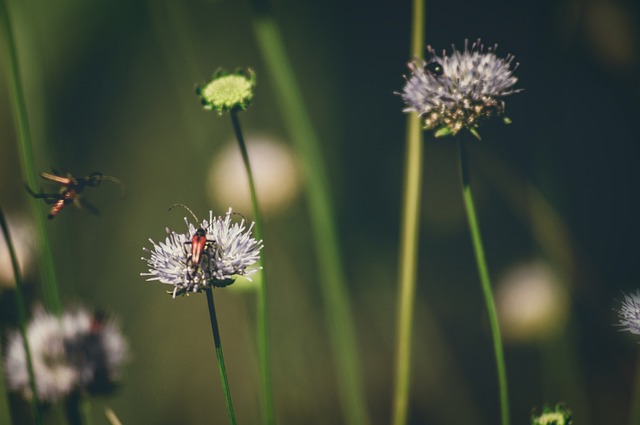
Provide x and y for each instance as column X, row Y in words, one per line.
column 229, row 252
column 228, row 91
column 558, row 415
column 79, row 351
column 629, row 313
column 459, row 91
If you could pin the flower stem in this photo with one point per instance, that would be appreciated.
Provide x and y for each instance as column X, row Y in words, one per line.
column 22, row 318
column 50, row 287
column 409, row 240
column 263, row 328
column 634, row 413
column 78, row 409
column 333, row 283
column 484, row 280
column 218, row 344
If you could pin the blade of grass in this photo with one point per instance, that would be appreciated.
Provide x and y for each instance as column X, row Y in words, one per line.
column 29, row 173
column 409, row 239
column 333, row 282
column 22, row 319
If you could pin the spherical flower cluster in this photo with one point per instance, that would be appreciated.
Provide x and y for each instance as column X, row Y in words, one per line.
column 229, row 251
column 228, row 91
column 80, row 350
column 460, row 90
column 629, row 313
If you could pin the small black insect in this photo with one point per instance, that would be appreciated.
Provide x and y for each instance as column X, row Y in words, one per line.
column 435, row 69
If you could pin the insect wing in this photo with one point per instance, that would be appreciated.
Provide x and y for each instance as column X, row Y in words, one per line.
column 66, row 181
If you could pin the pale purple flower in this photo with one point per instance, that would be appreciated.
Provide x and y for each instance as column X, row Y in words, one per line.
column 460, row 90
column 629, row 313
column 230, row 252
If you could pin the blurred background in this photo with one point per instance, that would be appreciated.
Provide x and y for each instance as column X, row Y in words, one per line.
column 110, row 88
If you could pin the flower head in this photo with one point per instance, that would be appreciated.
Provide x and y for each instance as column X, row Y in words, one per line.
column 460, row 90
column 228, row 91
column 229, row 251
column 559, row 415
column 80, row 350
column 629, row 313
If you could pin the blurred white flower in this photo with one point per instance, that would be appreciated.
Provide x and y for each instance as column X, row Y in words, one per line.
column 275, row 172
column 81, row 350
column 24, row 241
column 532, row 303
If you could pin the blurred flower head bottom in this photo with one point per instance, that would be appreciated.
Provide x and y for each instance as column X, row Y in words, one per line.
column 460, row 90
column 80, row 350
column 229, row 251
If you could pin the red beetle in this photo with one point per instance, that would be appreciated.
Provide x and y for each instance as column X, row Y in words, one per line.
column 199, row 242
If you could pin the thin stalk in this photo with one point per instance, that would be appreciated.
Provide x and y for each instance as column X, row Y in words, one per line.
column 484, row 280
column 333, row 282
column 22, row 318
column 220, row 356
column 409, row 240
column 29, row 173
column 5, row 412
column 78, row 409
column 263, row 328
column 634, row 414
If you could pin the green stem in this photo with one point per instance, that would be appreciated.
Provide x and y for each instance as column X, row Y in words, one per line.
column 333, row 283
column 409, row 240
column 634, row 414
column 263, row 329
column 22, row 318
column 5, row 412
column 29, row 173
column 484, row 280
column 78, row 409
column 218, row 344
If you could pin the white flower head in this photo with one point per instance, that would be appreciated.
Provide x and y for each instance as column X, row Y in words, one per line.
column 229, row 251
column 80, row 350
column 629, row 313
column 460, row 90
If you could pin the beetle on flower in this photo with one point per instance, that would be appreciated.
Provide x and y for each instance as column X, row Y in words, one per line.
column 234, row 252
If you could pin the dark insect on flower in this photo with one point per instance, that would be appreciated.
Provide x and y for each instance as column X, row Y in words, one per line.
column 460, row 90
column 199, row 243
column 435, row 68
column 70, row 190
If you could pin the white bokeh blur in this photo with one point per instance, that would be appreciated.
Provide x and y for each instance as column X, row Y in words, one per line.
column 532, row 303
column 275, row 172
column 22, row 235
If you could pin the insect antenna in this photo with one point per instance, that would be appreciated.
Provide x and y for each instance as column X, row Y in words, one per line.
column 186, row 208
column 123, row 187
